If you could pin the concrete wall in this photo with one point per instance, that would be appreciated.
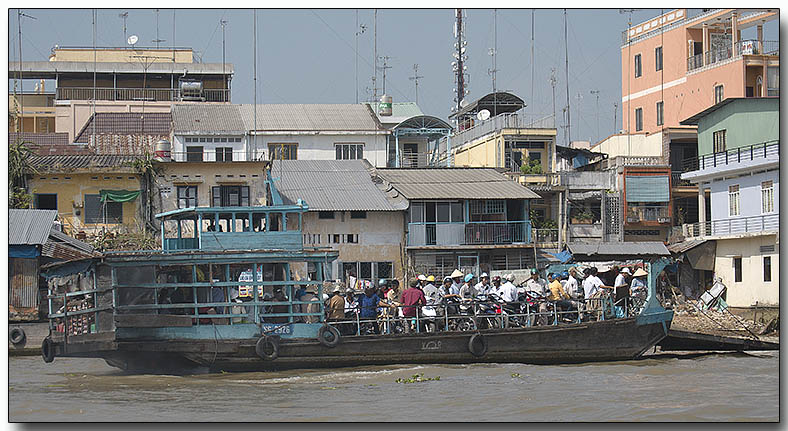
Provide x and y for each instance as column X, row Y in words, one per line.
column 380, row 237
column 322, row 147
column 746, row 121
column 490, row 150
column 121, row 55
column 639, row 144
column 749, row 195
column 752, row 288
column 71, row 116
column 71, row 189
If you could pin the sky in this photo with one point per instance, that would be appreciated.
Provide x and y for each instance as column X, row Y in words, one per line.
column 309, row 55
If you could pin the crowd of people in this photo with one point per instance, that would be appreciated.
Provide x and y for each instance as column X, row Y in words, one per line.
column 568, row 291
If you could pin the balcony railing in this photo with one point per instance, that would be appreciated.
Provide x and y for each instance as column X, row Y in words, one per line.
column 676, row 181
column 147, row 94
column 416, row 160
column 211, row 156
column 644, row 213
column 738, row 225
column 769, row 149
column 476, row 233
column 742, row 47
column 513, row 120
column 544, row 236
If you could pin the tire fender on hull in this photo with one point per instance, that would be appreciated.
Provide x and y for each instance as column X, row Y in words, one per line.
column 48, row 350
column 17, row 336
column 267, row 347
column 477, row 345
column 328, row 336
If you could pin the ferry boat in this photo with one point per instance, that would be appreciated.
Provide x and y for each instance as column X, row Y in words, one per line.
column 222, row 294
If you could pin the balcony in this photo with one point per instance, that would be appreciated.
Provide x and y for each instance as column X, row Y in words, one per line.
column 477, row 233
column 733, row 226
column 514, row 120
column 742, row 47
column 736, row 158
column 146, row 94
column 648, row 213
column 213, row 156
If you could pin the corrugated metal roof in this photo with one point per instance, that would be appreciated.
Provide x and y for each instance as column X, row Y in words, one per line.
column 69, row 163
column 333, row 185
column 309, row 117
column 125, row 123
column 622, row 249
column 455, row 183
column 207, row 118
column 29, row 227
column 681, row 247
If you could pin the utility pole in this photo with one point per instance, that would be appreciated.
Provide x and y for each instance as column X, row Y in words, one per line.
column 124, row 16
column 385, row 58
column 596, row 93
column 19, row 16
column 359, row 30
column 415, row 78
column 568, row 108
column 533, row 63
column 254, row 59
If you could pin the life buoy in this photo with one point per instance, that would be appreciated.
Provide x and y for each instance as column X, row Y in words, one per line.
column 17, row 336
column 477, row 345
column 328, row 336
column 48, row 350
column 267, row 347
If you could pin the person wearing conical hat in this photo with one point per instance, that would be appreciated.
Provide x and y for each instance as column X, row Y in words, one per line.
column 638, row 287
column 456, row 278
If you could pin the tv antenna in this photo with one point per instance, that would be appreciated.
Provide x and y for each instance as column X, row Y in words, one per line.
column 415, row 78
column 359, row 31
column 385, row 66
column 124, row 16
column 19, row 16
column 224, row 22
column 157, row 40
column 494, row 50
column 596, row 93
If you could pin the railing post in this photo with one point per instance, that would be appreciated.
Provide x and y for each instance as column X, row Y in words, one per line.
column 358, row 322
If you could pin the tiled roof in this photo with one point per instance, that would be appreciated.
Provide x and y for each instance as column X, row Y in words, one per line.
column 207, row 118
column 29, row 227
column 126, row 123
column 70, row 163
column 454, row 183
column 49, row 143
column 333, row 185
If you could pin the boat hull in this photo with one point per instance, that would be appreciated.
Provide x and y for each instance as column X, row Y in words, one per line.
column 611, row 340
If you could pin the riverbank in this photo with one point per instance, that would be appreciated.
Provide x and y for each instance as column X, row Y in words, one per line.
column 687, row 317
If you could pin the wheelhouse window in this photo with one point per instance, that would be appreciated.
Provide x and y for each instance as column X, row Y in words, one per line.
column 187, row 196
column 102, row 212
column 230, row 196
column 283, row 151
column 349, row 151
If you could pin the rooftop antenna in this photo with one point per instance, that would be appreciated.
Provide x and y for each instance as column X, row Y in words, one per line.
column 568, row 108
column 359, row 31
column 533, row 63
column 254, row 57
column 375, row 56
column 596, row 93
column 385, row 66
column 93, row 104
column 157, row 40
column 457, row 66
column 553, row 81
column 494, row 50
column 19, row 16
column 223, row 22
column 415, row 78
column 615, row 113
column 124, row 16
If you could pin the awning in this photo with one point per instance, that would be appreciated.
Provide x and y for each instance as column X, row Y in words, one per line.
column 119, row 195
column 652, row 188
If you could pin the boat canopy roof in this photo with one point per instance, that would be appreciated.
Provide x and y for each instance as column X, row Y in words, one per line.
column 192, row 213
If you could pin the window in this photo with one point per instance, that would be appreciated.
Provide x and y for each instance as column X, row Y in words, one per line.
column 350, row 151
column 660, row 113
column 46, row 201
column 372, row 271
column 230, row 196
column 358, row 214
column 638, row 119
column 719, row 141
column 325, row 215
column 224, row 154
column 283, row 151
column 658, row 58
column 194, row 154
column 99, row 212
column 638, row 66
column 733, row 200
column 737, row 269
column 352, row 238
column 773, row 81
column 187, row 196
column 767, row 268
column 719, row 94
column 767, row 197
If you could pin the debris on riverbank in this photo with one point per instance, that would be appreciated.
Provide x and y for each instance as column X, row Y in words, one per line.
column 690, row 318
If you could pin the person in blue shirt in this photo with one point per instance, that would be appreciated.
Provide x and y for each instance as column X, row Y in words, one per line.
column 369, row 303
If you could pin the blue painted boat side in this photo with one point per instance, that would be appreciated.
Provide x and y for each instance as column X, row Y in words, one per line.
column 236, row 331
column 290, row 240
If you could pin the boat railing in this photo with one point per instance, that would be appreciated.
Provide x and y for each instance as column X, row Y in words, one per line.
column 472, row 315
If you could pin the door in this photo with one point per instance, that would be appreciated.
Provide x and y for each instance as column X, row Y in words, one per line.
column 410, row 155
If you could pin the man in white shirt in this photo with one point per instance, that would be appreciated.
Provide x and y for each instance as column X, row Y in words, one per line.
column 536, row 284
column 621, row 284
column 571, row 285
column 483, row 286
column 508, row 291
column 593, row 290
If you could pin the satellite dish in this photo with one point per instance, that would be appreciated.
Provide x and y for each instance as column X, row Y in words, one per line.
column 132, row 39
column 483, row 115
column 463, row 103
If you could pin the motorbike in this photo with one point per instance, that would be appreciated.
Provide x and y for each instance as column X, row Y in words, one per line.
column 489, row 311
column 460, row 316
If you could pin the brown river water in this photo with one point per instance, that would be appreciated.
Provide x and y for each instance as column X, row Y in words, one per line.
column 714, row 387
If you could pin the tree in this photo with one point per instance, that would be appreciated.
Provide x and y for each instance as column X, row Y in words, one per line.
column 148, row 170
column 19, row 167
